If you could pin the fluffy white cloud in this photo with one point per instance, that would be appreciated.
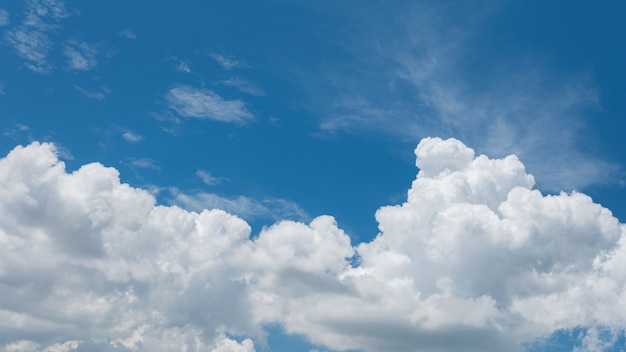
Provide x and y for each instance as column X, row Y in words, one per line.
column 83, row 257
column 474, row 260
column 205, row 104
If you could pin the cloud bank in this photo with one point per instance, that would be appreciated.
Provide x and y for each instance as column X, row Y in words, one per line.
column 474, row 260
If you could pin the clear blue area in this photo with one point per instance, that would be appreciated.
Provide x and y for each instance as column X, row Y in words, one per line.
column 300, row 67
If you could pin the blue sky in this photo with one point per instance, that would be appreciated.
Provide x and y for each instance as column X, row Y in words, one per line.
column 283, row 112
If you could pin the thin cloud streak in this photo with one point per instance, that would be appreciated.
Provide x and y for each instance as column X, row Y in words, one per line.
column 426, row 88
column 206, row 104
column 81, row 56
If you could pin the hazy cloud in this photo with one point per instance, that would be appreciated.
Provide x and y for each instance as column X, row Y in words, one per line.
column 205, row 104
column 227, row 62
column 81, row 56
column 127, row 33
column 98, row 95
column 183, row 67
column 143, row 163
column 243, row 85
column 514, row 107
column 132, row 137
column 209, row 179
column 242, row 206
column 4, row 17
column 30, row 39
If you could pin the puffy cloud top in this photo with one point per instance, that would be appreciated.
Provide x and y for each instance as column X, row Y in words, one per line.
column 474, row 260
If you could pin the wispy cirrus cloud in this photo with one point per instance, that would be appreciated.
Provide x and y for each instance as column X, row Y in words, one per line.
column 4, row 17
column 420, row 82
column 81, row 56
column 182, row 66
column 245, row 207
column 143, row 163
column 94, row 94
column 243, row 85
column 30, row 39
column 227, row 62
column 132, row 137
column 208, row 179
column 127, row 33
column 202, row 103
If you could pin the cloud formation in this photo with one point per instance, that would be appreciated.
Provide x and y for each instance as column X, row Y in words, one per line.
column 81, row 56
column 202, row 103
column 4, row 17
column 227, row 62
column 30, row 39
column 430, row 56
column 474, row 260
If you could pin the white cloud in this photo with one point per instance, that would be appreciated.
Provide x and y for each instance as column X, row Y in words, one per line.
column 208, row 179
column 243, row 85
column 84, row 257
column 81, row 56
column 30, row 39
column 132, row 137
column 242, row 206
column 144, row 163
column 205, row 104
column 474, row 260
column 127, row 33
column 227, row 62
column 98, row 95
column 4, row 17
column 420, row 80
column 183, row 67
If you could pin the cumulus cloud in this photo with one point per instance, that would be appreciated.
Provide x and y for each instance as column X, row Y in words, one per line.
column 30, row 39
column 81, row 56
column 474, row 260
column 206, row 104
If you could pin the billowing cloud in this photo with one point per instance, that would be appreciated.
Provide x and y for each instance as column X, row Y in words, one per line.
column 205, row 104
column 242, row 206
column 474, row 260
column 30, row 39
